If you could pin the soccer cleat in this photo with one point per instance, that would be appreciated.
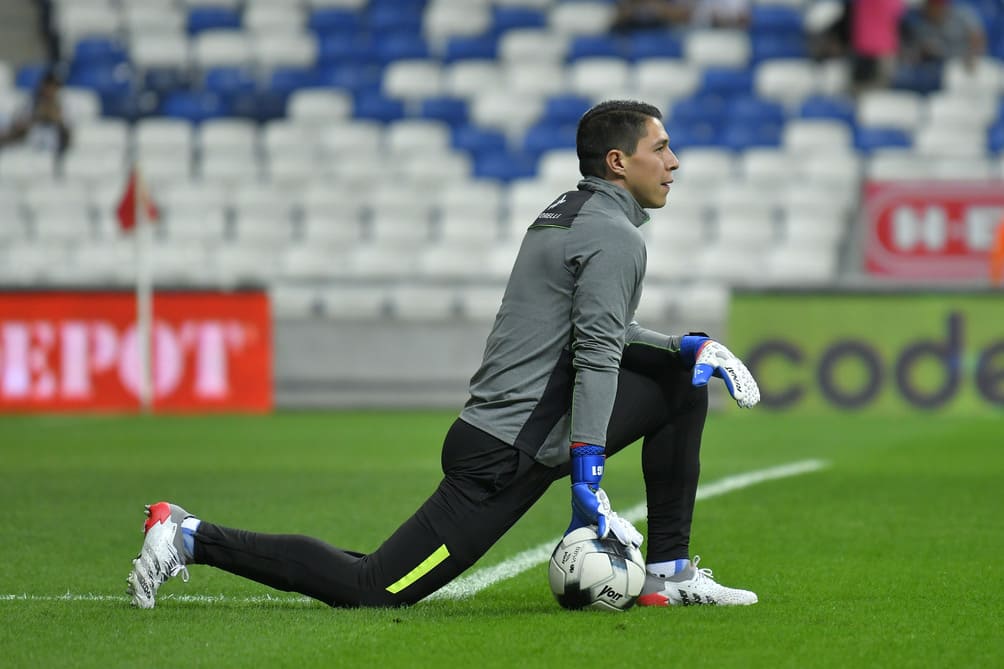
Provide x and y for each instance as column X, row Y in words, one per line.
column 161, row 556
column 691, row 586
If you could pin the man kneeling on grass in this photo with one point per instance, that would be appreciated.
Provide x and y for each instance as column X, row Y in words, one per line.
column 568, row 378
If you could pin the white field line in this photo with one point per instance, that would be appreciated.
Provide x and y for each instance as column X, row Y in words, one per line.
column 469, row 585
column 473, row 583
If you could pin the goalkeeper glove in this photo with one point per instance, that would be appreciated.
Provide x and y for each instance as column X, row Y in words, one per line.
column 590, row 504
column 711, row 358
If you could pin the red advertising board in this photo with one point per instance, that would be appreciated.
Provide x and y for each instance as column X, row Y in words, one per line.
column 930, row 230
column 77, row 351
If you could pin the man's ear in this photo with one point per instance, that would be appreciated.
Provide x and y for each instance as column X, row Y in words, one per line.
column 615, row 162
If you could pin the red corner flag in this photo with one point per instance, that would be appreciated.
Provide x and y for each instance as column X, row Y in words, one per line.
column 126, row 211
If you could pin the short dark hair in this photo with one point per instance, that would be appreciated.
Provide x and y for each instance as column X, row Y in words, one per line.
column 614, row 124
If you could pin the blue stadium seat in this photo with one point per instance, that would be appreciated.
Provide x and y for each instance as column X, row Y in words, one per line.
column 350, row 77
column 194, row 106
column 258, row 106
column 754, row 111
column 508, row 18
column 129, row 106
column 103, row 79
column 334, row 22
column 29, row 75
column 765, row 47
column 692, row 134
column 924, row 78
column 565, row 109
column 505, row 166
column 91, row 51
column 653, row 44
column 995, row 137
column 467, row 48
column 286, row 80
column 775, row 19
column 592, row 46
column 867, row 140
column 745, row 135
column 828, row 107
column 391, row 19
column 212, row 18
column 476, row 140
column 726, row 82
column 401, row 46
column 546, row 136
column 165, row 80
column 445, row 108
column 376, row 107
column 229, row 82
column 338, row 49
column 700, row 109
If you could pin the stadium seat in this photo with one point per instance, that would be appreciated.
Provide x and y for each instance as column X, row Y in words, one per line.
column 643, row 45
column 536, row 82
column 221, row 48
column 477, row 47
column 532, row 45
column 727, row 82
column 319, row 106
column 417, row 136
column 902, row 110
column 235, row 265
column 412, row 80
column 278, row 50
column 193, row 106
column 480, row 303
column 166, row 49
column 424, row 303
column 499, row 110
column 446, row 108
column 216, row 17
column 266, row 16
column 445, row 22
column 505, row 18
column 596, row 46
column 600, row 78
column 466, row 79
column 588, row 17
column 717, row 47
column 20, row 166
column 377, row 107
column 788, row 81
column 664, row 79
column 868, row 140
column 812, row 135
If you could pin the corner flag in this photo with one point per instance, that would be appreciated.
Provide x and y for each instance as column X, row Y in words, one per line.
column 135, row 196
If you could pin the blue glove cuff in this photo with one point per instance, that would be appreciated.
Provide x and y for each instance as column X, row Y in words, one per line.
column 587, row 464
column 690, row 345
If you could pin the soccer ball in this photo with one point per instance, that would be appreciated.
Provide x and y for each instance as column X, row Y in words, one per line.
column 586, row 571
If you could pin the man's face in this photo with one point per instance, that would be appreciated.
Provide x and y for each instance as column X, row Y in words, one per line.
column 649, row 171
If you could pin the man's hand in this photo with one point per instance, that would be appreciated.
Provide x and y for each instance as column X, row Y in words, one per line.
column 590, row 504
column 711, row 358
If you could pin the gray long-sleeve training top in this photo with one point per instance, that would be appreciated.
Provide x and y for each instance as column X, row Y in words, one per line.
column 551, row 362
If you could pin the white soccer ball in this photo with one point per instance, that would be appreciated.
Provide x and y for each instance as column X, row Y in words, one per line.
column 586, row 571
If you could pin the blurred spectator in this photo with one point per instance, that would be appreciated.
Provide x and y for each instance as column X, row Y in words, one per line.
column 720, row 13
column 828, row 26
column 650, row 14
column 874, row 41
column 43, row 126
column 939, row 30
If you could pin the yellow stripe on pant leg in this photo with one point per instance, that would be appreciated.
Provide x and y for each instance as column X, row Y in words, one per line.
column 427, row 565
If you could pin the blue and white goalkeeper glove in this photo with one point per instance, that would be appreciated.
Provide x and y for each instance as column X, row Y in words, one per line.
column 590, row 504
column 711, row 358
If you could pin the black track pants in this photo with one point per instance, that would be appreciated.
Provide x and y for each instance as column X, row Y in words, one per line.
column 487, row 486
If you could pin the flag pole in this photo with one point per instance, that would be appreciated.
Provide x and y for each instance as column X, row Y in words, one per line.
column 144, row 295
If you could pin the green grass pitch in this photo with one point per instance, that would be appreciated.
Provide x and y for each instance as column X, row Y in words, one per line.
column 889, row 557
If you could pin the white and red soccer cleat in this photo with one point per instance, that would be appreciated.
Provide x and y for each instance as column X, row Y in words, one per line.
column 689, row 587
column 160, row 558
